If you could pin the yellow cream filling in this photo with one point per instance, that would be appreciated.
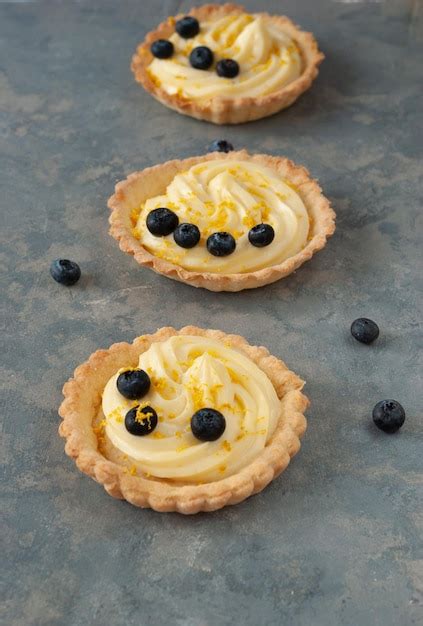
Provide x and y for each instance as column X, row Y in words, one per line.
column 268, row 58
column 195, row 372
column 231, row 196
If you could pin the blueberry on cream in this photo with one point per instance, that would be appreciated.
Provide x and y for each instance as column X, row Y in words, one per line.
column 208, row 424
column 133, row 384
column 186, row 235
column 227, row 68
column 162, row 48
column 201, row 58
column 187, row 27
column 161, row 222
column 141, row 420
column 261, row 235
column 221, row 244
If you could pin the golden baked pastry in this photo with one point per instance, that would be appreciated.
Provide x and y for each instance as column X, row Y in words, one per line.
column 190, row 420
column 235, row 221
column 248, row 67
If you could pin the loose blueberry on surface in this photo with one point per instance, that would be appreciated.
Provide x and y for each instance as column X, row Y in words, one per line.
column 65, row 272
column 162, row 48
column 186, row 235
column 389, row 416
column 141, row 421
column 221, row 145
column 364, row 330
column 261, row 235
column 208, row 424
column 201, row 58
column 227, row 68
column 187, row 27
column 133, row 384
column 221, row 244
column 162, row 222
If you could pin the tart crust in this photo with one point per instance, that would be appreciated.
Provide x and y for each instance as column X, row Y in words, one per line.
column 82, row 403
column 237, row 110
column 152, row 181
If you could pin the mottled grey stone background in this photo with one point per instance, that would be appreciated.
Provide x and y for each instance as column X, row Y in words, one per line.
column 336, row 540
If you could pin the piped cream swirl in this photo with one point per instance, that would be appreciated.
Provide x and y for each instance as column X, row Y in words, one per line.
column 268, row 58
column 231, row 196
column 189, row 373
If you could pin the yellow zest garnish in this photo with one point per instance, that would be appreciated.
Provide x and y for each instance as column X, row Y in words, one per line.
column 162, row 386
column 141, row 417
column 157, row 435
column 135, row 215
column 116, row 414
column 99, row 428
column 156, row 81
column 248, row 221
column 226, row 446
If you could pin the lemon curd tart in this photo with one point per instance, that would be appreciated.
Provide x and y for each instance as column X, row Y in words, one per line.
column 190, row 420
column 225, row 222
column 226, row 66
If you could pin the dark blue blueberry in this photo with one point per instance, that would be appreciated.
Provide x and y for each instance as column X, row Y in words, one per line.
column 141, row 421
column 186, row 235
column 65, row 272
column 221, row 145
column 389, row 416
column 201, row 58
column 187, row 27
column 227, row 68
column 261, row 235
column 208, row 424
column 162, row 48
column 133, row 384
column 221, row 244
column 364, row 330
column 162, row 222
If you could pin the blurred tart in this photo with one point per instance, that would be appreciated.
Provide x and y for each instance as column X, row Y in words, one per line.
column 227, row 66
column 225, row 222
column 190, row 420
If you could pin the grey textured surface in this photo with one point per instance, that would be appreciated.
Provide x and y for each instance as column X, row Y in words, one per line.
column 336, row 540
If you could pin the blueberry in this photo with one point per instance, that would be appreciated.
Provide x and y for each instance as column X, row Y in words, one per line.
column 221, row 145
column 208, row 424
column 141, row 421
column 162, row 221
column 162, row 48
column 201, row 58
column 186, row 235
column 364, row 330
column 65, row 272
column 389, row 416
column 133, row 384
column 227, row 68
column 261, row 235
column 221, row 244
column 187, row 27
